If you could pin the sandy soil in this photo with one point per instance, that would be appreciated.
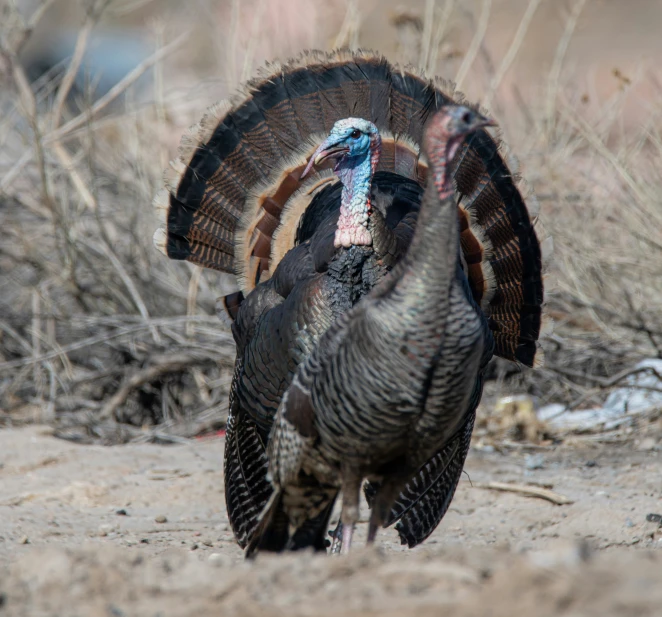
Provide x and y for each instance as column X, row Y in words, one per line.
column 79, row 535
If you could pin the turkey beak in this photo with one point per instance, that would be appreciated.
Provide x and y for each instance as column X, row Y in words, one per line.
column 482, row 122
column 328, row 148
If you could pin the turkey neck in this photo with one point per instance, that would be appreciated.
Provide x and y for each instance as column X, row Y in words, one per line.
column 429, row 267
column 355, row 173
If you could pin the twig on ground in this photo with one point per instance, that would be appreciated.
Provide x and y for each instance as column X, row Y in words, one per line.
column 529, row 491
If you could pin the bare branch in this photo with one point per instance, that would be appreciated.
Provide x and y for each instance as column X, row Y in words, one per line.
column 476, row 42
column 73, row 68
column 130, row 285
column 559, row 57
column 115, row 91
column 168, row 365
column 507, row 61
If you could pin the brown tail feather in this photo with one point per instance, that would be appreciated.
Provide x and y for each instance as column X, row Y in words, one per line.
column 501, row 249
column 236, row 191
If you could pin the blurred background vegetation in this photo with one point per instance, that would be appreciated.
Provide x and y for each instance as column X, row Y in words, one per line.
column 107, row 340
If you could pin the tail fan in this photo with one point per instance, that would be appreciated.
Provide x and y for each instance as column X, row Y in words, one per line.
column 235, row 197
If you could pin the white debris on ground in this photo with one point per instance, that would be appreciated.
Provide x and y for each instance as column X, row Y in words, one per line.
column 640, row 394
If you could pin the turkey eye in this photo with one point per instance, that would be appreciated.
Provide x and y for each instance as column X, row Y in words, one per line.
column 466, row 118
column 355, row 134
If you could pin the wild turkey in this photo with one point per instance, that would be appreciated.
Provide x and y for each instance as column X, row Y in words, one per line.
column 390, row 382
column 236, row 202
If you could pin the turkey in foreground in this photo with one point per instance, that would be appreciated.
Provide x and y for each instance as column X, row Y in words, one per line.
column 237, row 202
column 389, row 383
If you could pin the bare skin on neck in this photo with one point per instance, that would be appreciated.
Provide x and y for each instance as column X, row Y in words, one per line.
column 352, row 228
column 356, row 145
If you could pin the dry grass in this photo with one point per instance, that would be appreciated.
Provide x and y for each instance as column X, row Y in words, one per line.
column 98, row 330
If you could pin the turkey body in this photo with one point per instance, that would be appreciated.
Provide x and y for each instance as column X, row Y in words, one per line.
column 280, row 323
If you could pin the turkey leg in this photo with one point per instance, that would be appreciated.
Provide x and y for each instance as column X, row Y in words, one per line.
column 350, row 509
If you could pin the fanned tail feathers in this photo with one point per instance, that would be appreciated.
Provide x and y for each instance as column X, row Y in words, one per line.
column 235, row 195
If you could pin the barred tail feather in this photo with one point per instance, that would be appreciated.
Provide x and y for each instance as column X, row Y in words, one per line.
column 501, row 249
column 270, row 532
column 422, row 505
column 247, row 489
column 425, row 500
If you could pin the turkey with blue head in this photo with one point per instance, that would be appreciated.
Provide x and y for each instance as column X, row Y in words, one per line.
column 308, row 188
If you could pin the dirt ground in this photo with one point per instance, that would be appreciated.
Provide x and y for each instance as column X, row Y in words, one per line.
column 142, row 530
